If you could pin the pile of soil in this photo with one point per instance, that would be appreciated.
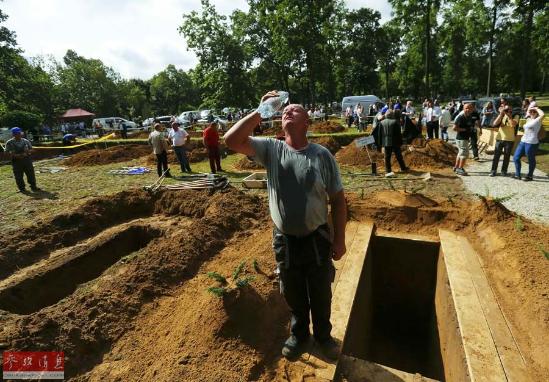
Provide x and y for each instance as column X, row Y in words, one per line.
column 153, row 305
column 433, row 155
column 357, row 156
column 326, row 127
column 329, row 142
column 246, row 164
column 113, row 154
column 196, row 152
column 140, row 135
column 196, row 226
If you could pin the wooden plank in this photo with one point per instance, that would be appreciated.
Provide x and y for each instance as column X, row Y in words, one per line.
column 344, row 295
column 355, row 370
column 350, row 233
column 480, row 351
column 509, row 353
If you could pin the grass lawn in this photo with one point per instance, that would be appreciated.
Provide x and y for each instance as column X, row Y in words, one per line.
column 68, row 189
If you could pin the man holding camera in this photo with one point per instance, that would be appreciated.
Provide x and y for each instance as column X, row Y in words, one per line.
column 505, row 138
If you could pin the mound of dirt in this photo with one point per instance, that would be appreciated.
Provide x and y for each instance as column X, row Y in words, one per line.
column 436, row 154
column 195, row 226
column 34, row 243
column 246, row 164
column 329, row 142
column 403, row 199
column 326, row 127
column 139, row 135
column 113, row 154
column 357, row 156
column 196, row 153
column 418, row 142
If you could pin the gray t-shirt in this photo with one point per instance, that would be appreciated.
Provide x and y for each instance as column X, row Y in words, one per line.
column 15, row 146
column 298, row 182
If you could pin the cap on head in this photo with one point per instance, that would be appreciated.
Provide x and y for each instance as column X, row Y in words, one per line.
column 157, row 126
column 175, row 123
column 16, row 130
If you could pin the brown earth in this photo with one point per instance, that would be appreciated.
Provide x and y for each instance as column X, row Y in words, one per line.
column 149, row 314
column 326, row 127
column 123, row 153
column 329, row 142
column 433, row 155
column 245, row 164
column 113, row 154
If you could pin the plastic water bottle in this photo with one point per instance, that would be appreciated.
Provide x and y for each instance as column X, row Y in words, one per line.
column 273, row 104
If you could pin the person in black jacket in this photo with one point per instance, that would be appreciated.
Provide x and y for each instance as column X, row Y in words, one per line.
column 390, row 138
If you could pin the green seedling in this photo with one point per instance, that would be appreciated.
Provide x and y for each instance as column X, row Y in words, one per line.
column 218, row 291
column 503, row 199
column 545, row 253
column 238, row 270
column 255, row 264
column 519, row 226
column 217, row 277
column 244, row 281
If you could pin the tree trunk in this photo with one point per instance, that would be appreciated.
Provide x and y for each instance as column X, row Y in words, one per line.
column 526, row 53
column 490, row 48
column 427, row 47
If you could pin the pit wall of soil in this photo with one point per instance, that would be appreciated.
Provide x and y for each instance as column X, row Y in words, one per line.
column 86, row 323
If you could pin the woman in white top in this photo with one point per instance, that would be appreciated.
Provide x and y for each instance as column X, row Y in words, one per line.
column 529, row 143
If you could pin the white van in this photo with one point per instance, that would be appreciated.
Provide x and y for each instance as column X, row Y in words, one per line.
column 114, row 123
column 365, row 101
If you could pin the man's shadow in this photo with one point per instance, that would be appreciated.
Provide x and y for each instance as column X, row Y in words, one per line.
column 42, row 194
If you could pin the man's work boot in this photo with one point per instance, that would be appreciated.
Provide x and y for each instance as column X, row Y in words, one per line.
column 293, row 347
column 329, row 348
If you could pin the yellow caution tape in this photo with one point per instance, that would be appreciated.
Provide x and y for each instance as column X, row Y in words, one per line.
column 79, row 145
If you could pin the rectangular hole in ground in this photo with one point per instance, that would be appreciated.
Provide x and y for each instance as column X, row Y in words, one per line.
column 50, row 286
column 393, row 321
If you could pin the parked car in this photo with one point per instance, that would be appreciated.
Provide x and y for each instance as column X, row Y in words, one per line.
column 188, row 117
column 114, row 123
column 147, row 123
column 164, row 120
column 515, row 103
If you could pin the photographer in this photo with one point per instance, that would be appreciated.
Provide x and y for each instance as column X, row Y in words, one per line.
column 505, row 138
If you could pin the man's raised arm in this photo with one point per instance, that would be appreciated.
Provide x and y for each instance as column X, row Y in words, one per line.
column 238, row 136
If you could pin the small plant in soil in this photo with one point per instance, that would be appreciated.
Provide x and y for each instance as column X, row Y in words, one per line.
column 218, row 291
column 503, row 199
column 217, row 277
column 255, row 264
column 227, row 286
column 519, row 226
column 238, row 270
column 545, row 253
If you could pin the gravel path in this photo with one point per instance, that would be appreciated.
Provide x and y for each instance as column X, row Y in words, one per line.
column 529, row 199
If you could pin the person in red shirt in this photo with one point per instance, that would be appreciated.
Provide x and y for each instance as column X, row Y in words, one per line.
column 210, row 138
